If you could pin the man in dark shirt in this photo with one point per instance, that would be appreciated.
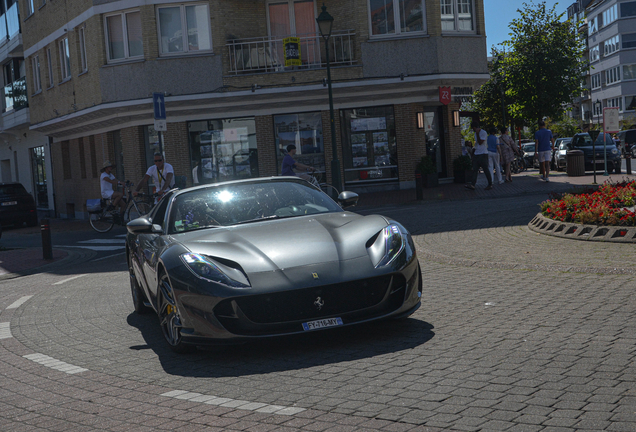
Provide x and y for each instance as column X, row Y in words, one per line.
column 289, row 164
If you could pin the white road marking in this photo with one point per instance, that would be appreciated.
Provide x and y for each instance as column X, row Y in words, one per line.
column 105, row 241
column 19, row 302
column 5, row 330
column 54, row 364
column 69, row 279
column 109, row 256
column 121, row 235
column 95, row 248
column 233, row 403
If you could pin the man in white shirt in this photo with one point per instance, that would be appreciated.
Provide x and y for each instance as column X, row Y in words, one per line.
column 108, row 184
column 480, row 157
column 162, row 177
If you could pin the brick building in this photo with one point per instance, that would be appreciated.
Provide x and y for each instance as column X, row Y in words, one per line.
column 232, row 103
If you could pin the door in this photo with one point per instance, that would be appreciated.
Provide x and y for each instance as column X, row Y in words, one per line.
column 294, row 18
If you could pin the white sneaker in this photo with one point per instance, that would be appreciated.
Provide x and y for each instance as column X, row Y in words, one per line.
column 501, row 182
column 547, row 180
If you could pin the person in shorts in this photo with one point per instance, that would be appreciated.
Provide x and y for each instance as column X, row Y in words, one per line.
column 543, row 147
column 480, row 157
column 108, row 184
column 162, row 175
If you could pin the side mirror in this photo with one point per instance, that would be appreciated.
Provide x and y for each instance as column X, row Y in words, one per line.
column 143, row 225
column 347, row 199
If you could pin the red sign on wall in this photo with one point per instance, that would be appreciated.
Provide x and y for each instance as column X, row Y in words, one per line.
column 445, row 95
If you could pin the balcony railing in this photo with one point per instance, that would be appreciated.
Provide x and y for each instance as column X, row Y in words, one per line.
column 15, row 95
column 262, row 55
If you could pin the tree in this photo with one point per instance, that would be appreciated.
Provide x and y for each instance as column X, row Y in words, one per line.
column 540, row 69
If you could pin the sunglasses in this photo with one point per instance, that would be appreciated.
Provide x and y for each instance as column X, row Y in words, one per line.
column 158, row 160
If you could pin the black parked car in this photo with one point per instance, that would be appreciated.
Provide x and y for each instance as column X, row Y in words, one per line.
column 17, row 205
column 583, row 141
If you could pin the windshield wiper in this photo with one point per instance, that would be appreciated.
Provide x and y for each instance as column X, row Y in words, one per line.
column 258, row 219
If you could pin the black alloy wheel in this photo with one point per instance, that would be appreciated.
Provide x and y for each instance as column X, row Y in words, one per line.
column 169, row 318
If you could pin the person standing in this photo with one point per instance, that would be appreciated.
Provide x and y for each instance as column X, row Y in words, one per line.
column 494, row 154
column 543, row 147
column 508, row 151
column 480, row 157
column 162, row 175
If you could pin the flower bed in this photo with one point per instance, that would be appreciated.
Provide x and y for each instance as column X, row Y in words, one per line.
column 605, row 206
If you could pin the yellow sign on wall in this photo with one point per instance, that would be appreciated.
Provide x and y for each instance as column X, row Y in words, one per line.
column 292, row 51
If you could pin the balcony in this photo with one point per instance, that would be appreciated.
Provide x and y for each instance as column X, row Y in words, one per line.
column 265, row 54
column 15, row 96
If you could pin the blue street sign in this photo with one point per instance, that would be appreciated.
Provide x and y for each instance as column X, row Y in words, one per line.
column 159, row 106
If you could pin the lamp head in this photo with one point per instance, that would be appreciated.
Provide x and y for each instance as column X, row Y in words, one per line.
column 325, row 22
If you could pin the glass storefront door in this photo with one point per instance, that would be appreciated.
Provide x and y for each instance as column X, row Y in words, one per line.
column 303, row 130
column 434, row 145
column 369, row 146
column 222, row 150
column 38, row 168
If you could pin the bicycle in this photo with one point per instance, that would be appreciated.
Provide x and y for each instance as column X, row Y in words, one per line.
column 104, row 219
column 315, row 179
column 518, row 165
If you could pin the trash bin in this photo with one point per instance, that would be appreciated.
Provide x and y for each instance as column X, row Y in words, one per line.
column 575, row 163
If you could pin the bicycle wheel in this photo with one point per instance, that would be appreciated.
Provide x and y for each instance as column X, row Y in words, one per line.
column 137, row 209
column 101, row 222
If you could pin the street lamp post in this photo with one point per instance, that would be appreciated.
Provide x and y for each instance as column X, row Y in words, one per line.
column 597, row 105
column 325, row 24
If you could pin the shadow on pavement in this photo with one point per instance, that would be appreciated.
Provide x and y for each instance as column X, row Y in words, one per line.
column 284, row 353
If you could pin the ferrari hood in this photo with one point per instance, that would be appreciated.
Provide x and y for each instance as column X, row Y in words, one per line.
column 287, row 243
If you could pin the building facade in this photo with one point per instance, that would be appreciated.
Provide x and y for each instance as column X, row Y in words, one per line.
column 610, row 31
column 24, row 154
column 238, row 91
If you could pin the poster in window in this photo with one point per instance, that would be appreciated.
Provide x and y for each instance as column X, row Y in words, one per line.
column 292, row 51
column 224, row 154
column 382, row 160
column 231, row 135
column 217, row 136
column 243, row 171
column 360, row 162
column 359, row 150
column 207, row 168
column 380, row 137
column 358, row 125
column 206, row 150
column 358, row 139
column 381, row 148
column 226, row 172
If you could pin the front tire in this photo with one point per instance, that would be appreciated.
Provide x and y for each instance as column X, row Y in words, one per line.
column 101, row 222
column 169, row 318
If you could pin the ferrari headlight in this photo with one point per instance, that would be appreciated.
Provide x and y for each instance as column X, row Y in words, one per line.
column 389, row 244
column 204, row 268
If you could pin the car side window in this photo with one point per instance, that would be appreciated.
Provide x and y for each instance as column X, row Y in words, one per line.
column 160, row 212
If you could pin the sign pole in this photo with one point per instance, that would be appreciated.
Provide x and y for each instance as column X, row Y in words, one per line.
column 610, row 125
column 159, row 109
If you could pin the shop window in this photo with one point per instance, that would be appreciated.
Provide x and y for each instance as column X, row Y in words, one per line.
column 369, row 145
column 184, row 29
column 223, row 150
column 392, row 17
column 305, row 132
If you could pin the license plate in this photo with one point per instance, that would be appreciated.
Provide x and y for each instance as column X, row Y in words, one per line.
column 8, row 203
column 598, row 162
column 323, row 323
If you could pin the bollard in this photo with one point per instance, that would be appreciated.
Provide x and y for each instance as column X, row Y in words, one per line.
column 419, row 187
column 628, row 164
column 47, row 247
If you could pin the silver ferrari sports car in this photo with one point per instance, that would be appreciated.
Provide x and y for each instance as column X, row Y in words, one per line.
column 265, row 257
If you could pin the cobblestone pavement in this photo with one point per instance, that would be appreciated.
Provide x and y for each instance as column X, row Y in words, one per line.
column 517, row 332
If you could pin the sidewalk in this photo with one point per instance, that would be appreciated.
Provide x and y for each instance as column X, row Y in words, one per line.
column 17, row 262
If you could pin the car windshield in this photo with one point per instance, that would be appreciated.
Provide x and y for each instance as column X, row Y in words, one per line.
column 240, row 203
column 584, row 140
column 564, row 145
column 12, row 190
column 528, row 147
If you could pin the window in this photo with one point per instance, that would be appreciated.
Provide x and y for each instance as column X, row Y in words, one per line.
column 596, row 81
column 597, row 110
column 610, row 15
column 594, row 54
column 65, row 59
column 123, row 36
column 616, row 102
column 628, row 9
column 457, row 15
column 410, row 16
column 184, row 29
column 629, row 40
column 35, row 66
column 82, row 48
column 611, row 45
column 49, row 62
column 630, row 103
column 613, row 75
column 305, row 132
column 30, row 6
column 592, row 26
column 629, row 72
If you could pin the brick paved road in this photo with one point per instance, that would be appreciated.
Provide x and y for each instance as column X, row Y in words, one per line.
column 518, row 332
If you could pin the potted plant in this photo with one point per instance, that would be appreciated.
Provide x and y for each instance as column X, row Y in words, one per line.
column 428, row 171
column 462, row 169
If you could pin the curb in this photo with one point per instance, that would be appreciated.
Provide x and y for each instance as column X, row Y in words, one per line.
column 570, row 230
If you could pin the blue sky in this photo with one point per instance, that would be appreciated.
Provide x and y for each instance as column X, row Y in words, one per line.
column 499, row 13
